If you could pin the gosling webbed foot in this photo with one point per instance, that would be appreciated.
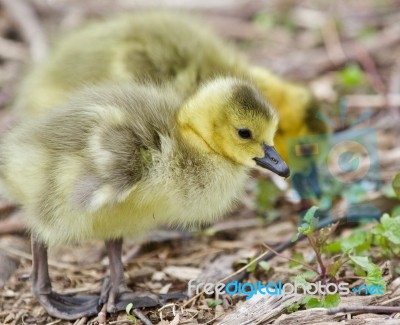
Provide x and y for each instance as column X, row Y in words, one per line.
column 139, row 300
column 116, row 299
column 69, row 307
column 172, row 296
column 115, row 294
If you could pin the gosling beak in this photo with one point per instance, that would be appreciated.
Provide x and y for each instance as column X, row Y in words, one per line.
column 273, row 162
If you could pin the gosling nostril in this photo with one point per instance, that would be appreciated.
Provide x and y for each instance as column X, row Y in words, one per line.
column 274, row 160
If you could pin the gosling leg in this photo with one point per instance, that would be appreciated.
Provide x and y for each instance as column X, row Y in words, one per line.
column 67, row 306
column 115, row 293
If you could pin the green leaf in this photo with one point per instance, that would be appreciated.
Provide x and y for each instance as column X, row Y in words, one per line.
column 374, row 274
column 374, row 277
column 309, row 223
column 293, row 308
column 359, row 241
column 392, row 228
column 265, row 265
column 212, row 303
column 352, row 242
column 243, row 261
column 264, row 19
column 306, row 299
column 301, row 280
column 367, row 32
column 334, row 268
column 252, row 264
column 128, row 309
column 389, row 229
column 388, row 191
column 298, row 257
column 396, row 211
column 309, row 275
column 363, row 262
column 313, row 303
column 309, row 216
column 252, row 267
column 333, row 248
column 351, row 76
column 331, row 301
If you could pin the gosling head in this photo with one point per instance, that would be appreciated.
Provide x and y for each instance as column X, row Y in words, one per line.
column 230, row 117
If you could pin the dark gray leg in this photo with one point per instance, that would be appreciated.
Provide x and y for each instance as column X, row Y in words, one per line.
column 67, row 307
column 119, row 295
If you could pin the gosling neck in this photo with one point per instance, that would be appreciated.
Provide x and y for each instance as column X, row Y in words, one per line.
column 194, row 142
column 193, row 124
column 192, row 138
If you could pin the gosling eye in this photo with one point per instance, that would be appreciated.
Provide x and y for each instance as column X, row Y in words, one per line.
column 245, row 134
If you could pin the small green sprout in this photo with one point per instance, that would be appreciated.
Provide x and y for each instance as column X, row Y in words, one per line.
column 212, row 303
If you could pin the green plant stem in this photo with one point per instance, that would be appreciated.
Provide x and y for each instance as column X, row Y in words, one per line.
column 322, row 268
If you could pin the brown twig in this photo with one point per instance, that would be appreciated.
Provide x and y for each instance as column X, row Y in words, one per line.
column 132, row 253
column 290, row 259
column 13, row 224
column 81, row 321
column 142, row 317
column 390, row 300
column 17, row 252
column 373, row 100
column 349, row 277
column 366, row 61
column 332, row 42
column 102, row 315
column 364, row 309
column 12, row 50
column 329, row 233
column 6, row 207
